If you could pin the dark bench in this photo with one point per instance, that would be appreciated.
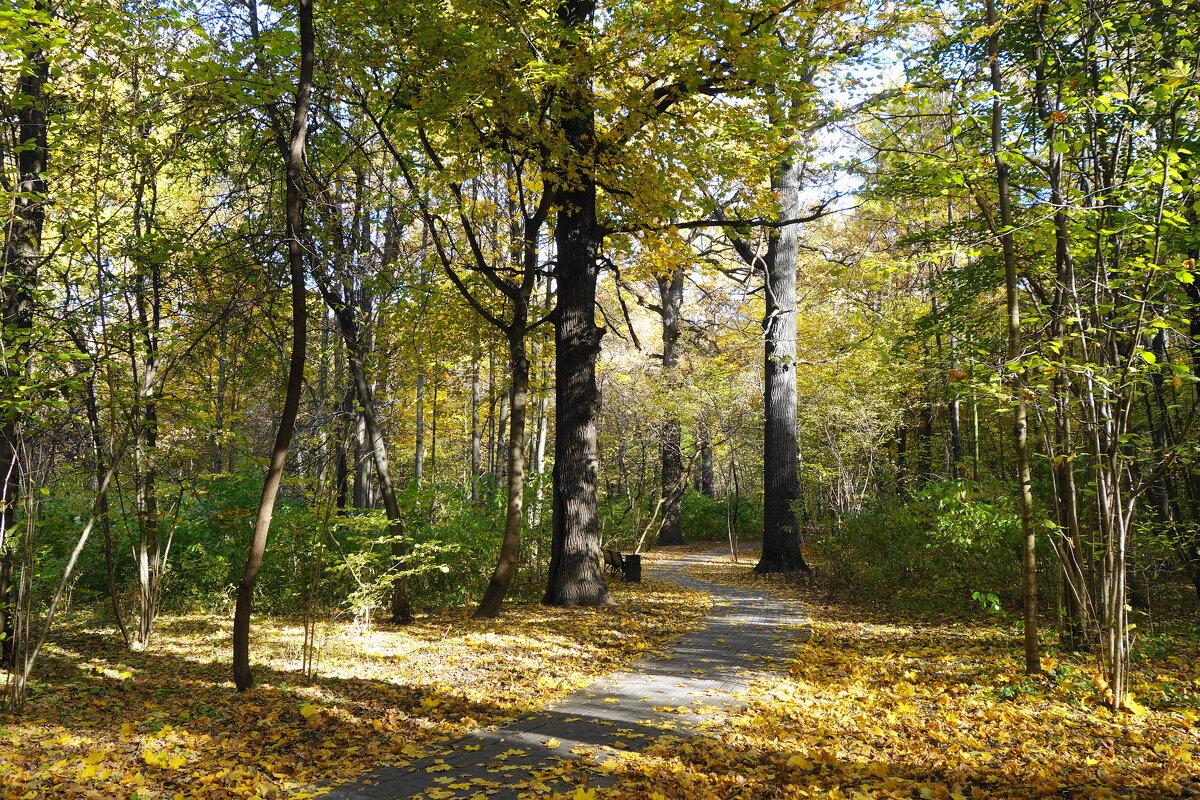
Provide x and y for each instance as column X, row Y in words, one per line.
column 629, row 567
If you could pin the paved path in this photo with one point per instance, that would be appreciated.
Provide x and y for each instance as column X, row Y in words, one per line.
column 699, row 678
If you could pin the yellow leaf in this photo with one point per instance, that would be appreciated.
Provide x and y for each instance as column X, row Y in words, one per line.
column 583, row 794
column 1135, row 708
column 308, row 709
column 552, row 743
column 800, row 761
column 128, row 728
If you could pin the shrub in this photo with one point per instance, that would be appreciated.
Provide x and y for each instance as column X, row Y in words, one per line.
column 953, row 540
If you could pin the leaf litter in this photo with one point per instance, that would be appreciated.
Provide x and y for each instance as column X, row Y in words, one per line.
column 879, row 706
column 166, row 724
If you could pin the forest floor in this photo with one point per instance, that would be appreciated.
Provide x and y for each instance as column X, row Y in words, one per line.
column 105, row 723
column 875, row 704
column 880, row 704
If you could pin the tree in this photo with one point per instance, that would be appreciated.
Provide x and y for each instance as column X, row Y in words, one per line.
column 295, row 224
column 18, row 283
column 670, row 291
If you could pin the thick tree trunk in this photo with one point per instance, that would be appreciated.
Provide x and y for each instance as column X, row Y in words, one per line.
column 22, row 254
column 781, row 485
column 242, row 676
column 575, row 578
column 671, row 297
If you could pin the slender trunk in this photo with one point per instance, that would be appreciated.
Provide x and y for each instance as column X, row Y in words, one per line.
column 671, row 297
column 476, row 437
column 733, row 502
column 542, row 407
column 501, row 427
column 364, row 482
column 956, row 449
column 364, row 494
column 346, row 418
column 356, row 359
column 510, row 547
column 433, row 420
column 218, row 461
column 148, row 546
column 100, row 469
column 1013, row 312
column 401, row 607
column 419, row 457
column 242, row 676
column 705, row 476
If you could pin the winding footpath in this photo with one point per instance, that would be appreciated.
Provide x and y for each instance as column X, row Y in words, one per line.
column 746, row 636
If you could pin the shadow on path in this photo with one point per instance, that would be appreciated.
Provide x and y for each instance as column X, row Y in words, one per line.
column 698, row 679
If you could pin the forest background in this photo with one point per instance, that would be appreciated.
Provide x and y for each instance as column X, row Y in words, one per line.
column 394, row 254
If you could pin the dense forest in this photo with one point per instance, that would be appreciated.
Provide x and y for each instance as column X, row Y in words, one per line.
column 348, row 312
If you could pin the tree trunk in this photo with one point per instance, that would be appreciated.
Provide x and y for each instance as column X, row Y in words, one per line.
column 1033, row 662
column 510, row 547
column 356, row 358
column 419, row 456
column 22, row 254
column 242, row 677
column 476, row 436
column 704, row 478
column 671, row 294
column 781, row 485
column 575, row 578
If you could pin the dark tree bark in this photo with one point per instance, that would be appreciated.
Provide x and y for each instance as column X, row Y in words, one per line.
column 670, row 532
column 781, row 484
column 22, row 255
column 575, row 578
column 243, row 678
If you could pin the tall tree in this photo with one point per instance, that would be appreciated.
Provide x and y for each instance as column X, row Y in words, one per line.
column 670, row 291
column 18, row 283
column 295, row 201
column 1003, row 229
column 781, row 482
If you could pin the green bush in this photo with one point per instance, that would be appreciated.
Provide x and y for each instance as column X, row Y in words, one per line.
column 951, row 541
column 703, row 518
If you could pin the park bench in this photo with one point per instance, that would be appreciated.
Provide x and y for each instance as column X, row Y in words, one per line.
column 629, row 567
